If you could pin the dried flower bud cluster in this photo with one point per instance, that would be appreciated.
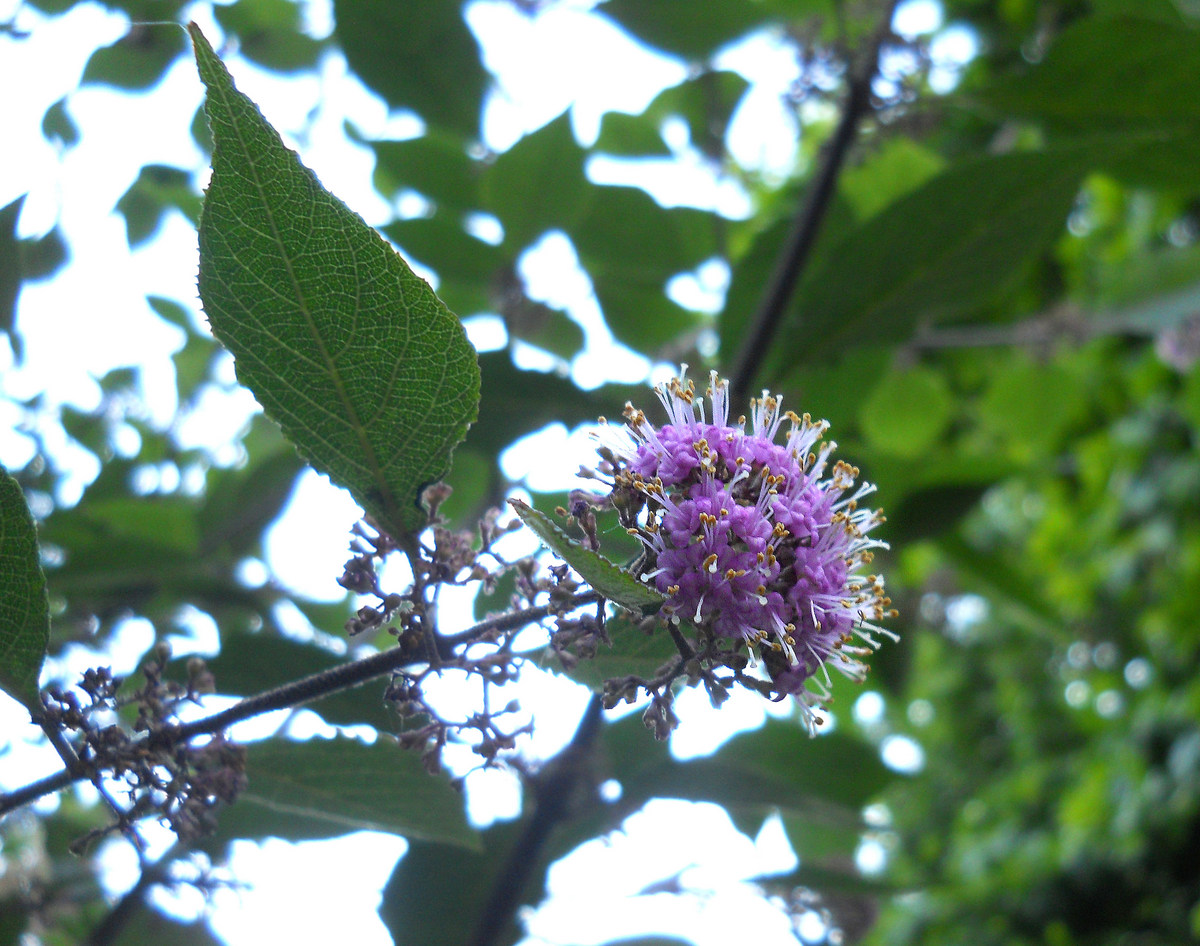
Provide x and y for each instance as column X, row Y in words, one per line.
column 182, row 785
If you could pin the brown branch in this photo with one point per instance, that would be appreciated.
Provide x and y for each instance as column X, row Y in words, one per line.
column 806, row 225
column 311, row 688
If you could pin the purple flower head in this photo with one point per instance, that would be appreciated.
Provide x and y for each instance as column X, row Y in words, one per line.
column 757, row 543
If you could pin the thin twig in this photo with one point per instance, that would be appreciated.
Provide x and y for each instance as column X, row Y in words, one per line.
column 555, row 793
column 806, row 225
column 310, row 688
column 79, row 770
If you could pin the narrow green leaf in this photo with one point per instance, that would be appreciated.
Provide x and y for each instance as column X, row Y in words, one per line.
column 24, row 606
column 328, row 787
column 610, row 580
column 352, row 354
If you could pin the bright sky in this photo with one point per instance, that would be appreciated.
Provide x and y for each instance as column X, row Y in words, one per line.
column 98, row 304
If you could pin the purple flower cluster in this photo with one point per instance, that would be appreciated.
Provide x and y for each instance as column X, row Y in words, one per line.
column 751, row 540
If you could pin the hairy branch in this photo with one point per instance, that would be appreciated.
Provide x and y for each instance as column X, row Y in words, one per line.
column 312, row 688
column 806, row 225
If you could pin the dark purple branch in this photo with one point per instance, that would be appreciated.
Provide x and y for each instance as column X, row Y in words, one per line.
column 312, row 688
column 806, row 225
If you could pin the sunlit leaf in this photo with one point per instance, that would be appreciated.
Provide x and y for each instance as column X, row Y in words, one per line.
column 907, row 411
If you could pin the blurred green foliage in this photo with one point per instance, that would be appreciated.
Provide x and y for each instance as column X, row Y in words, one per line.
column 999, row 319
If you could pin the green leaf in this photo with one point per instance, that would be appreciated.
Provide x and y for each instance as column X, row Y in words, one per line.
column 754, row 266
column 1106, row 71
column 193, row 360
column 630, row 136
column 328, row 787
column 435, row 165
column 138, row 59
column 941, row 251
column 269, row 33
column 24, row 605
column 10, row 272
column 517, row 402
column 421, row 57
column 157, row 189
column 897, row 168
column 706, row 104
column 147, row 925
column 610, row 580
column 907, row 411
column 240, row 504
column 251, row 663
column 633, row 651
column 58, row 126
column 631, row 247
column 42, row 257
column 445, row 247
column 437, row 894
column 674, row 26
column 650, row 941
column 538, row 184
column 777, row 767
column 354, row 356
